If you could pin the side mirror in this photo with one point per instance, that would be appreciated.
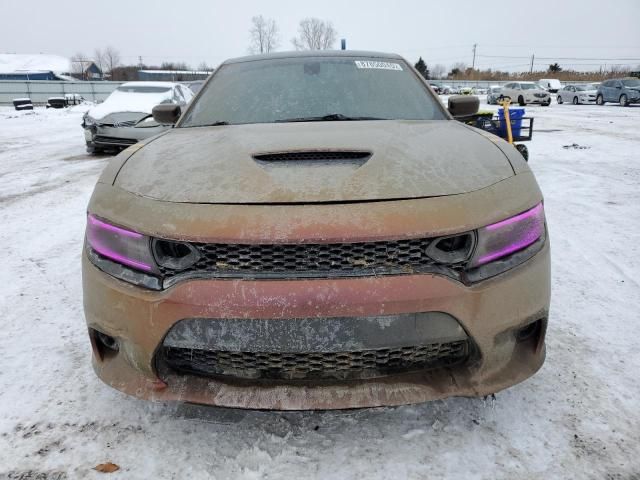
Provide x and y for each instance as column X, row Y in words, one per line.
column 166, row 114
column 463, row 105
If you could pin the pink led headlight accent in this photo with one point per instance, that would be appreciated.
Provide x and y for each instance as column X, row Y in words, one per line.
column 534, row 212
column 513, row 234
column 112, row 228
column 99, row 246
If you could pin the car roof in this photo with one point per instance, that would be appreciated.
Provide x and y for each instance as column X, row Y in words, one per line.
column 313, row 54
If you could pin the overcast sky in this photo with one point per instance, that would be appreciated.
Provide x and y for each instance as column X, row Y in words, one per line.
column 596, row 32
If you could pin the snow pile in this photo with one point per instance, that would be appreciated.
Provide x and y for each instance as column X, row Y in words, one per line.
column 13, row 63
column 578, row 418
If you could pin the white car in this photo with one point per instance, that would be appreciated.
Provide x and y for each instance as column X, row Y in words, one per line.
column 550, row 84
column 124, row 118
column 578, row 94
column 526, row 92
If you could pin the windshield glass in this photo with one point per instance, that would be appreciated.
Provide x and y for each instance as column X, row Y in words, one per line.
column 584, row 88
column 141, row 89
column 634, row 82
column 299, row 89
column 529, row 86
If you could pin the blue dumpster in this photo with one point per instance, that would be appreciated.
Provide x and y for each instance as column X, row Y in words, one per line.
column 515, row 115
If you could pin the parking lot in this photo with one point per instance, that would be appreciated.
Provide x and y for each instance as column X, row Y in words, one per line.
column 577, row 418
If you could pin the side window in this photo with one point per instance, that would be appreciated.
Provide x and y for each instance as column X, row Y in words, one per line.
column 517, row 86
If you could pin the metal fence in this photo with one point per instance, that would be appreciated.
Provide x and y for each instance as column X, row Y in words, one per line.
column 40, row 90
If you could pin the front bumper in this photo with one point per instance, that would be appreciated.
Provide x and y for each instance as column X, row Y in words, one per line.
column 491, row 313
column 103, row 136
column 538, row 100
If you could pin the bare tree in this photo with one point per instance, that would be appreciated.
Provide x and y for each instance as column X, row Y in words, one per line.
column 99, row 59
column 204, row 67
column 111, row 58
column 438, row 71
column 79, row 63
column 264, row 35
column 315, row 34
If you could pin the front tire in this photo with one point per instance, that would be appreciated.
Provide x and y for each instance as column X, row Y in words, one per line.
column 521, row 101
column 575, row 100
column 93, row 150
column 559, row 99
column 599, row 100
column 624, row 101
column 524, row 151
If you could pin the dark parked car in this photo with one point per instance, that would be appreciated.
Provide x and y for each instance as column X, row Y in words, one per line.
column 624, row 91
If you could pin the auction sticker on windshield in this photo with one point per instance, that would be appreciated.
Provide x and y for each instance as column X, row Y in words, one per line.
column 378, row 65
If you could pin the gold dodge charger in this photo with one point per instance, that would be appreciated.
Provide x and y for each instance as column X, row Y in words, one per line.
column 316, row 232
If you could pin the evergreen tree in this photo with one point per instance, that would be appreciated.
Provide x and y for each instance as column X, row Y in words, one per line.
column 554, row 67
column 422, row 68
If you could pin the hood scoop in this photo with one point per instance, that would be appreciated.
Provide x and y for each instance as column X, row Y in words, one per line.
column 313, row 158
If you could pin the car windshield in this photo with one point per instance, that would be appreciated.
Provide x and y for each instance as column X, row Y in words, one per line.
column 529, row 86
column 633, row 82
column 313, row 89
column 584, row 88
column 141, row 89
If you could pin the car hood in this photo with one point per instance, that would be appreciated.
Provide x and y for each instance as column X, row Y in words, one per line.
column 409, row 159
column 133, row 103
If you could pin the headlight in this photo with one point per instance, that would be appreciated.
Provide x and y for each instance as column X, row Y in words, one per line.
column 122, row 246
column 509, row 236
column 88, row 121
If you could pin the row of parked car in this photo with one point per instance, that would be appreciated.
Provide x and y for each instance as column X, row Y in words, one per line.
column 624, row 91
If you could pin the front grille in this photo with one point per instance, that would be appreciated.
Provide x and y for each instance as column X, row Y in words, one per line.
column 539, row 95
column 330, row 259
column 313, row 155
column 319, row 365
column 104, row 140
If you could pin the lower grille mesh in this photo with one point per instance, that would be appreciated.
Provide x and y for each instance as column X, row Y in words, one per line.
column 307, row 365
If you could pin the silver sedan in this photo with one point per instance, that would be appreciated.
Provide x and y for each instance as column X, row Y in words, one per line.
column 577, row 94
column 124, row 118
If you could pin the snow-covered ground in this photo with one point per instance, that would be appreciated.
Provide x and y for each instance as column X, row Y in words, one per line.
column 579, row 417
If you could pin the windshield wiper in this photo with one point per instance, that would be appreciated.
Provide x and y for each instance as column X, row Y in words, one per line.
column 332, row 117
column 214, row 124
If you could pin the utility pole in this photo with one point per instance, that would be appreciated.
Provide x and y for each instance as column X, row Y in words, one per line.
column 473, row 64
column 531, row 67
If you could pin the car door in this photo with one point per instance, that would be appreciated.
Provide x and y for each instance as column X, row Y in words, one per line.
column 616, row 91
column 507, row 90
column 571, row 93
column 609, row 91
